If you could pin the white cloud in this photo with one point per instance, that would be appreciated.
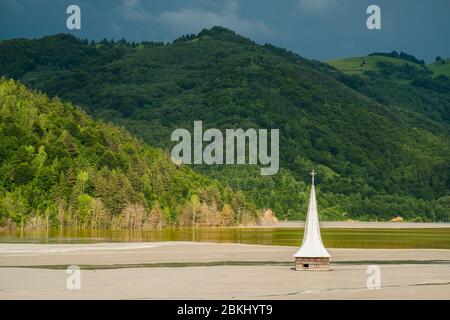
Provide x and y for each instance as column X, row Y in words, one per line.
column 189, row 20
column 316, row 6
column 132, row 10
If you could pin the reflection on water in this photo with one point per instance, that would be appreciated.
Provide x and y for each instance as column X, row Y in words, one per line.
column 333, row 238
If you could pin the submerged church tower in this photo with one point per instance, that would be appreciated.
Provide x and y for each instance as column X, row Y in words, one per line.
column 312, row 255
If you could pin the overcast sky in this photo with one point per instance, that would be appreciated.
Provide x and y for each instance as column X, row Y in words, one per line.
column 319, row 29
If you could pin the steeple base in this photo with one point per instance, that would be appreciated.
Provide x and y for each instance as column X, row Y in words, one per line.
column 312, row 264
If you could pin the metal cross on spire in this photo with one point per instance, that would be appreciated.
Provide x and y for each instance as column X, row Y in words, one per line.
column 312, row 173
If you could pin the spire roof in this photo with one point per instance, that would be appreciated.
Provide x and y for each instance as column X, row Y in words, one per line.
column 312, row 245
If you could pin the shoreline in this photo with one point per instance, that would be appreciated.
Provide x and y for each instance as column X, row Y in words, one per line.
column 286, row 224
column 122, row 253
column 360, row 225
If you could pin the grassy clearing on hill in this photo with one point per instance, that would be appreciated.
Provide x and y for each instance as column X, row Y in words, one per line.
column 439, row 68
column 359, row 65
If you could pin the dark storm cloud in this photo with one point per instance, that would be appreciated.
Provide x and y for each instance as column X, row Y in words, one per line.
column 321, row 29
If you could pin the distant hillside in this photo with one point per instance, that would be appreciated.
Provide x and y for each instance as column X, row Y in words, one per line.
column 385, row 66
column 420, row 93
column 58, row 167
column 379, row 142
column 440, row 68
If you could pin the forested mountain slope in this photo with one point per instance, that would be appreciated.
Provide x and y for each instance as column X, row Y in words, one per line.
column 58, row 167
column 381, row 146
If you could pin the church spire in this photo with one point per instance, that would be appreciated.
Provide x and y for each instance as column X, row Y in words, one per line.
column 312, row 245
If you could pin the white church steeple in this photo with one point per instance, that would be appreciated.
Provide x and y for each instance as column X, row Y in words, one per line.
column 312, row 245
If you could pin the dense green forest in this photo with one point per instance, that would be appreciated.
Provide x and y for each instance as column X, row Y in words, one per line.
column 60, row 168
column 380, row 140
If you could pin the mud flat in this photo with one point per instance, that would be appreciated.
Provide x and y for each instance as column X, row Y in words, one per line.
column 187, row 270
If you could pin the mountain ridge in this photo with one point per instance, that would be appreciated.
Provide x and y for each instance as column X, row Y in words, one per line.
column 371, row 138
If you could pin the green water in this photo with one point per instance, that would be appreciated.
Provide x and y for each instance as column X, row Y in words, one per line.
column 333, row 238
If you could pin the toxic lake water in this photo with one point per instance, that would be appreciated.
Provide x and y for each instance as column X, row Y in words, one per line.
column 332, row 238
